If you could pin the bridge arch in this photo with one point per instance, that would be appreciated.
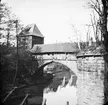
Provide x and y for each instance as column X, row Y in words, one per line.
column 68, row 60
column 72, row 65
column 67, row 64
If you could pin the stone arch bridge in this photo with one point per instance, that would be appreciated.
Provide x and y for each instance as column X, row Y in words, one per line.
column 64, row 53
column 88, row 66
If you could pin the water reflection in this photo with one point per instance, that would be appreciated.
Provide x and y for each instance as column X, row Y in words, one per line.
column 65, row 93
column 35, row 95
column 57, row 88
column 60, row 91
column 63, row 96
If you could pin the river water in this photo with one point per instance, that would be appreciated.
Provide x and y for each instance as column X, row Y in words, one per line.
column 62, row 96
column 65, row 93
column 61, row 91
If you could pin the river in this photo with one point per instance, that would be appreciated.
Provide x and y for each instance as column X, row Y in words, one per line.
column 62, row 96
column 60, row 91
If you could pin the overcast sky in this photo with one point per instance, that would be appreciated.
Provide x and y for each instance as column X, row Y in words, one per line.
column 54, row 18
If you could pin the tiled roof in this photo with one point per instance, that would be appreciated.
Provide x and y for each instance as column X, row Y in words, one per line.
column 31, row 29
column 58, row 47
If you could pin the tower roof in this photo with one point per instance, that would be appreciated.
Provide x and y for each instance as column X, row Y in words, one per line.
column 31, row 29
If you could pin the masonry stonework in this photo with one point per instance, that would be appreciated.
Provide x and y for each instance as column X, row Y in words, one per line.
column 68, row 60
column 90, row 83
column 90, row 69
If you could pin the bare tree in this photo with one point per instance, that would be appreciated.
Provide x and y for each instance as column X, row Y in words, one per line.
column 101, row 8
column 104, row 23
column 95, row 19
column 96, row 28
column 88, row 37
column 7, row 24
column 78, row 37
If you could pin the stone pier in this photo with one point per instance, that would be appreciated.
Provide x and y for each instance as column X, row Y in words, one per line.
column 90, row 83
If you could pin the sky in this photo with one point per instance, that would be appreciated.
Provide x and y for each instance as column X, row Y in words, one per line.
column 58, row 20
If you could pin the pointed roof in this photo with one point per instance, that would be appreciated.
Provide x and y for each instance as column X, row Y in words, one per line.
column 31, row 29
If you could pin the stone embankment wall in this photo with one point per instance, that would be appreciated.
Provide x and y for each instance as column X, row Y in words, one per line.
column 90, row 81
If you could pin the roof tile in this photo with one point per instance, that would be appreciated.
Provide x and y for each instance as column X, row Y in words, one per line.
column 31, row 29
column 57, row 47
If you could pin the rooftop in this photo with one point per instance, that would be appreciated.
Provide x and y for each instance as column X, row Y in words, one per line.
column 31, row 29
column 55, row 48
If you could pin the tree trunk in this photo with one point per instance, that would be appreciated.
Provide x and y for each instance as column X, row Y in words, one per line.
column 104, row 24
column 105, row 36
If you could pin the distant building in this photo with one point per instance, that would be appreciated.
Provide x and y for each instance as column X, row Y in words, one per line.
column 30, row 36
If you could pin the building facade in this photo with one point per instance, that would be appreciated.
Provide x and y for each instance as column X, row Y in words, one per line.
column 30, row 36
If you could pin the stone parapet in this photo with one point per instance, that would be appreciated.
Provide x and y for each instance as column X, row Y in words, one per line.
column 68, row 57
